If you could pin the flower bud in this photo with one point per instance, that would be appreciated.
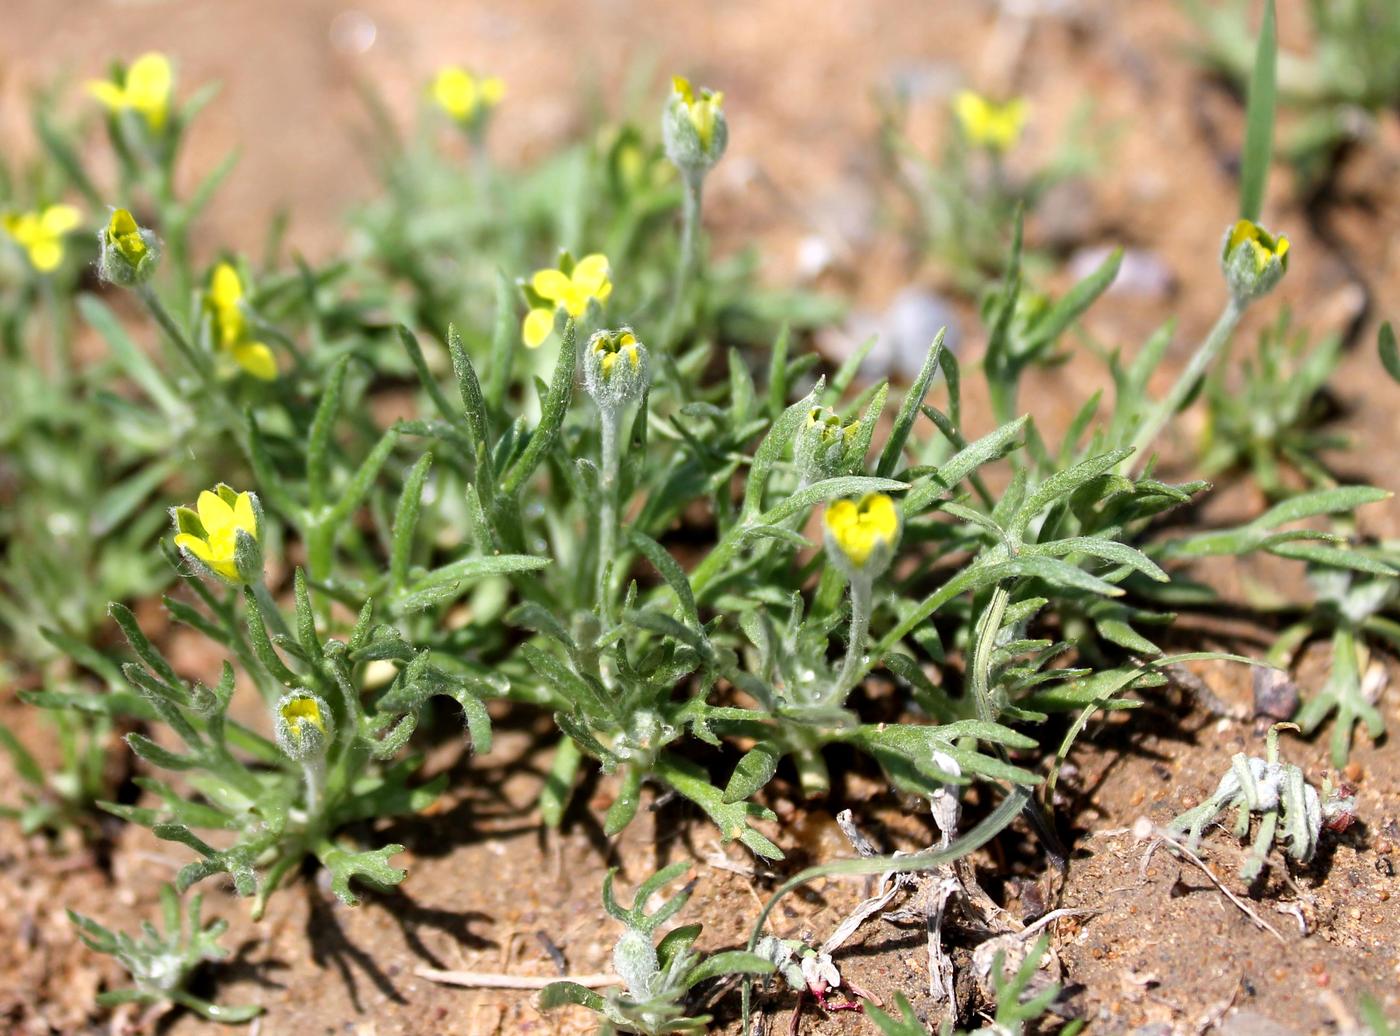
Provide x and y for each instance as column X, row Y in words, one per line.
column 823, row 446
column 1253, row 260
column 127, row 253
column 300, row 726
column 222, row 535
column 861, row 535
column 615, row 368
column 635, row 960
column 693, row 128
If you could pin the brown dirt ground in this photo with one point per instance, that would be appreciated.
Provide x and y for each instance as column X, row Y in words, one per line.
column 1160, row 944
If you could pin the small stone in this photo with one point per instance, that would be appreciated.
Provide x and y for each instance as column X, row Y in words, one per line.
column 904, row 332
column 1353, row 772
column 1275, row 695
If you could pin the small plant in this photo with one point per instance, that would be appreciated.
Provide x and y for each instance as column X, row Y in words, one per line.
column 1269, row 416
column 657, row 976
column 1015, row 1012
column 1290, row 810
column 331, row 762
column 1339, row 87
column 162, row 964
column 964, row 201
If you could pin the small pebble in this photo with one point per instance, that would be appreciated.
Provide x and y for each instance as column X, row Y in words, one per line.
column 1353, row 772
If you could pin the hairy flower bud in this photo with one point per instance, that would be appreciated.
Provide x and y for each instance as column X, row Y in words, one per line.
column 634, row 958
column 615, row 368
column 1253, row 260
column 300, row 726
column 823, row 445
column 861, row 535
column 127, row 253
column 693, row 128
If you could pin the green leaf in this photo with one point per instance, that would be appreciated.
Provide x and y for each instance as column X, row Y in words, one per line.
column 1078, row 299
column 372, row 867
column 963, row 463
column 1390, row 353
column 729, row 962
column 670, row 571
column 555, row 406
column 559, row 782
column 1259, row 119
column 755, row 769
column 131, row 359
column 451, row 580
column 1063, row 483
column 468, row 386
column 563, row 994
column 771, row 450
column 1107, row 550
column 909, row 410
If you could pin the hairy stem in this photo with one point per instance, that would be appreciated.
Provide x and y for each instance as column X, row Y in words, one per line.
column 690, row 243
column 1186, row 384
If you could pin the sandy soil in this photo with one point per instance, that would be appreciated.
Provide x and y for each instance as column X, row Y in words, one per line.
column 1158, row 944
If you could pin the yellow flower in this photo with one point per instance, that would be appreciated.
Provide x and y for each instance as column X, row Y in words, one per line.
column 41, row 233
column 1262, row 246
column 463, row 96
column 703, row 109
column 864, row 532
column 144, row 88
column 988, row 124
column 223, row 303
column 589, row 279
column 210, row 533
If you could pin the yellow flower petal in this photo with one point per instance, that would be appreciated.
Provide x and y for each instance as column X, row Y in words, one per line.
column 193, row 544
column 303, row 710
column 46, row 255
column 148, row 85
column 243, row 515
column 538, row 326
column 214, row 514
column 493, row 90
column 551, row 284
column 59, row 219
column 455, row 92
column 257, row 359
column 112, row 96
column 591, row 273
column 225, row 287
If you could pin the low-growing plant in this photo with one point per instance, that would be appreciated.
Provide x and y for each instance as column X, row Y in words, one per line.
column 161, row 964
column 657, row 975
column 964, row 201
column 1338, row 87
column 1015, row 1012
